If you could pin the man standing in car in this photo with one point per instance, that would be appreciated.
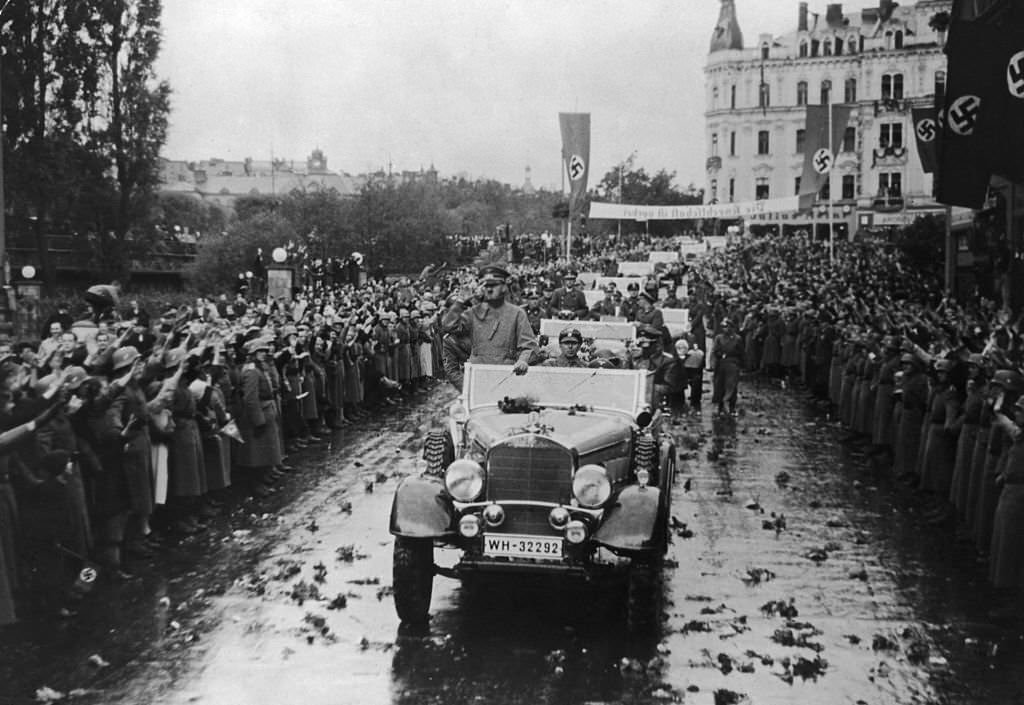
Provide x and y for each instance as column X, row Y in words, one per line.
column 500, row 331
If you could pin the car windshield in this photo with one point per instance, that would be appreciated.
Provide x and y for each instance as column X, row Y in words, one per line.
column 622, row 390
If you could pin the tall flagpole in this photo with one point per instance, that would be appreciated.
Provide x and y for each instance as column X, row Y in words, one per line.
column 831, row 149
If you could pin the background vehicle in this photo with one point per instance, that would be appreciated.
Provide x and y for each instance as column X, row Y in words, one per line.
column 562, row 471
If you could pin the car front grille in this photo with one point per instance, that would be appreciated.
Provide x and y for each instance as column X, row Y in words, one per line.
column 529, row 468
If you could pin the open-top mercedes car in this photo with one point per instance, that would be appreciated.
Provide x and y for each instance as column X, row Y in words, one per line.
column 561, row 471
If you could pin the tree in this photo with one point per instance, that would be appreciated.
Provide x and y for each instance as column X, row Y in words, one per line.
column 635, row 186
column 219, row 260
column 135, row 129
column 81, row 101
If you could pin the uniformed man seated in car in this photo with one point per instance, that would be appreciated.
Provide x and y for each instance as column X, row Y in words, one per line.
column 650, row 355
column 569, row 340
column 499, row 331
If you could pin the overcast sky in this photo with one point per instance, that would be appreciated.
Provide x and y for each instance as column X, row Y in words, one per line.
column 470, row 86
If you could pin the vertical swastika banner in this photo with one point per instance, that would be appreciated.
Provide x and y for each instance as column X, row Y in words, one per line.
column 576, row 156
column 1001, row 124
column 974, row 73
column 820, row 149
column 926, row 131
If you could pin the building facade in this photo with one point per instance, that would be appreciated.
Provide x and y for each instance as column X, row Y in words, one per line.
column 881, row 61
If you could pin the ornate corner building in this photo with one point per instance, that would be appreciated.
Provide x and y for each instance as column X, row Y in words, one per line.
column 882, row 61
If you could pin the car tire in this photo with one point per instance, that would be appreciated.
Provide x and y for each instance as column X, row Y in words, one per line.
column 643, row 597
column 413, row 578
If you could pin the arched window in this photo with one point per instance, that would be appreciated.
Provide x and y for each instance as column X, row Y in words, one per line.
column 803, row 48
column 940, row 83
column 839, row 46
column 897, row 40
column 826, row 48
column 826, row 92
column 801, row 93
column 851, row 43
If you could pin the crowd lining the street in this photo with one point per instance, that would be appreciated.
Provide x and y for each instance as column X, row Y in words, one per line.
column 125, row 430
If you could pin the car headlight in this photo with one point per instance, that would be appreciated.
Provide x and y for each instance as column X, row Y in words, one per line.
column 464, row 479
column 590, row 486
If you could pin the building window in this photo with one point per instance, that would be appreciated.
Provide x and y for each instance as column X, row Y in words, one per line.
column 732, row 190
column 890, row 184
column 850, row 90
column 850, row 139
column 825, row 194
column 892, row 86
column 891, row 135
column 714, row 144
column 764, row 51
column 888, row 39
column 826, row 92
column 860, row 44
column 714, row 97
column 732, row 97
column 801, row 93
column 766, row 96
column 815, row 45
column 803, row 49
column 839, row 46
column 940, row 83
column 849, row 187
column 761, row 188
column 796, row 186
column 762, row 142
column 801, row 138
column 851, row 44
column 897, row 40
column 714, row 189
column 732, row 144
column 826, row 48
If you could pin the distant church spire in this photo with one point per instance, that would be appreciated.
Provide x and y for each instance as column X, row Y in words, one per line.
column 727, row 34
column 528, row 188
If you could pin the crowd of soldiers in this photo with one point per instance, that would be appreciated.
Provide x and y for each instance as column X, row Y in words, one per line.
column 126, row 430
column 928, row 388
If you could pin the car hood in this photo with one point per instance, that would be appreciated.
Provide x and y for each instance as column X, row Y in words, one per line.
column 583, row 431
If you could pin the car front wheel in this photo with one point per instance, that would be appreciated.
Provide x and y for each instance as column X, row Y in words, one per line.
column 413, row 578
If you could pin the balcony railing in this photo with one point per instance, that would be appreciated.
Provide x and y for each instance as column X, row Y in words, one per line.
column 887, row 155
column 890, row 105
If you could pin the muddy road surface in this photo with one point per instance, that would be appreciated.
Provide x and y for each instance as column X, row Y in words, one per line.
column 797, row 574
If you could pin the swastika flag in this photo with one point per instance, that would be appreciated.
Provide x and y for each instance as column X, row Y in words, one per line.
column 576, row 156
column 1001, row 124
column 974, row 73
column 926, row 133
column 821, row 149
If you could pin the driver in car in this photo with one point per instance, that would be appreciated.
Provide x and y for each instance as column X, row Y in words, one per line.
column 499, row 331
column 569, row 340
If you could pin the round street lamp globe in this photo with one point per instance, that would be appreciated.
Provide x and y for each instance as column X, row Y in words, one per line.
column 248, row 274
column 279, row 255
column 28, row 271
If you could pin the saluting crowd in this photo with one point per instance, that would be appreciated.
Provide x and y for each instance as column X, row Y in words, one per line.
column 928, row 388
column 126, row 429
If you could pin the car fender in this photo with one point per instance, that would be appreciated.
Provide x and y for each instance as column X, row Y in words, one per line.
column 631, row 522
column 422, row 509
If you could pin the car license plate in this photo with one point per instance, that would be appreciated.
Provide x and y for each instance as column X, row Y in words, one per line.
column 515, row 545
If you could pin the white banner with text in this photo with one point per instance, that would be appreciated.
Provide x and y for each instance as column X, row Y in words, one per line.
column 624, row 211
